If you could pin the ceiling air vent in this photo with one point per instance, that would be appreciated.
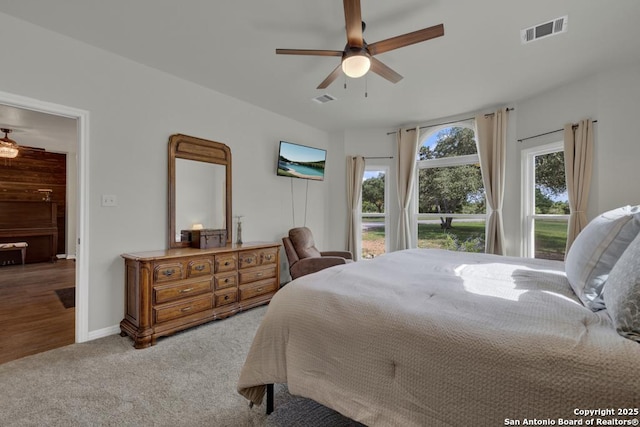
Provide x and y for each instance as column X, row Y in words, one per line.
column 323, row 99
column 546, row 29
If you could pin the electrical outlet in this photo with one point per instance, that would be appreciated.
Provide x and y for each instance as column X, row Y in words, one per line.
column 109, row 200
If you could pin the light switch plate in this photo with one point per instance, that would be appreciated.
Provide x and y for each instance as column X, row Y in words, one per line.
column 109, row 200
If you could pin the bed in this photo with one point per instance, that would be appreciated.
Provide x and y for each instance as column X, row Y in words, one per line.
column 427, row 337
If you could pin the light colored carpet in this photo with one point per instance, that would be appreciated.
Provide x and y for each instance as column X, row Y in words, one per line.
column 188, row 379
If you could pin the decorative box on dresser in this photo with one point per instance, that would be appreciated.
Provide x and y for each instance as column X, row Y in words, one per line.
column 170, row 290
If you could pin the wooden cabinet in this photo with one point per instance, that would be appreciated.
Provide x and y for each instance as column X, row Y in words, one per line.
column 171, row 290
column 32, row 222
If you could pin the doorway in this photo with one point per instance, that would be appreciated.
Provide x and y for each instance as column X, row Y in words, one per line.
column 37, row 123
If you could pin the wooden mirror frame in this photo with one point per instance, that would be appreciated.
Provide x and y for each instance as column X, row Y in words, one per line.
column 202, row 150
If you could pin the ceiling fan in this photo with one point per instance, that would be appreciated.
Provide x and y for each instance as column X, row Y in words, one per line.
column 358, row 56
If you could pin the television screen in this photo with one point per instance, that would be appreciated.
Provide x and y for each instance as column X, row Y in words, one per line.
column 300, row 161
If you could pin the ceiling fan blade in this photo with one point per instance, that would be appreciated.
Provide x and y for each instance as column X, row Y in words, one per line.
column 382, row 70
column 309, row 52
column 331, row 77
column 406, row 39
column 353, row 21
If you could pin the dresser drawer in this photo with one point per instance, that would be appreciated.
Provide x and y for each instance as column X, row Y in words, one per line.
column 170, row 292
column 175, row 311
column 167, row 272
column 200, row 267
column 269, row 256
column 256, row 289
column 259, row 273
column 225, row 280
column 227, row 296
column 248, row 259
column 226, row 263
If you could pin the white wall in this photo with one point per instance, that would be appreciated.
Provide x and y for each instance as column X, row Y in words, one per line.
column 133, row 111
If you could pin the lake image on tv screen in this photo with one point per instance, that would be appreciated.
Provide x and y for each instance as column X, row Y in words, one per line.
column 299, row 161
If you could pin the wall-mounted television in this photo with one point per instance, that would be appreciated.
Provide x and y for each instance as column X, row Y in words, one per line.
column 301, row 161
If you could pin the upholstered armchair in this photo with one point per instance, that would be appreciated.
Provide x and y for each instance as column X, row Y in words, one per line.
column 305, row 258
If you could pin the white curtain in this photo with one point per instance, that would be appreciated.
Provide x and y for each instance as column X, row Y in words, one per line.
column 355, row 173
column 578, row 160
column 491, row 138
column 406, row 166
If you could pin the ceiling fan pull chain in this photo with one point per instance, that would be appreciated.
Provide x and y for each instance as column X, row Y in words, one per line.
column 366, row 87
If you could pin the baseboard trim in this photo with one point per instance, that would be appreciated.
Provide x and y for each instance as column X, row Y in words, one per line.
column 104, row 332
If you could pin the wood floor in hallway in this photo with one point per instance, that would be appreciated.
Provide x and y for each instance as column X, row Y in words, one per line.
column 32, row 316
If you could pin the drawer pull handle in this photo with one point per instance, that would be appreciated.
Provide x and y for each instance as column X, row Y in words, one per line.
column 269, row 257
column 184, row 291
column 226, row 297
column 168, row 273
column 260, row 274
column 226, row 280
column 199, row 267
column 249, row 260
column 184, row 310
column 227, row 263
column 259, row 289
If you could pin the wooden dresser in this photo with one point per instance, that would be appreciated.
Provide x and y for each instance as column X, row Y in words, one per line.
column 171, row 290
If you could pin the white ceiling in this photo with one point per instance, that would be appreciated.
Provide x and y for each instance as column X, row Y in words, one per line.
column 229, row 46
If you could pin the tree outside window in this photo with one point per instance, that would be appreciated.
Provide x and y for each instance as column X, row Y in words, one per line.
column 373, row 209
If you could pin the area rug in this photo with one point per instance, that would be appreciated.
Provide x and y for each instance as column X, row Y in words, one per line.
column 67, row 297
column 293, row 411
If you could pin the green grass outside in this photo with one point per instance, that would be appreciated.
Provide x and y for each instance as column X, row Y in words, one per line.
column 432, row 236
column 551, row 236
column 551, row 239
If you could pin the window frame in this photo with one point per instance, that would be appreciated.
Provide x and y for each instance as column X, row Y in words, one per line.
column 528, row 179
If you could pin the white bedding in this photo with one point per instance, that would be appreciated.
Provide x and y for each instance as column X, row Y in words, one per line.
column 429, row 337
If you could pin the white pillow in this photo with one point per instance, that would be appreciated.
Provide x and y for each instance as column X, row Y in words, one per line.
column 622, row 293
column 596, row 250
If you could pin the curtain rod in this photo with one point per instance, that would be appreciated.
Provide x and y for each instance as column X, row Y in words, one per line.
column 386, row 157
column 450, row 123
column 549, row 133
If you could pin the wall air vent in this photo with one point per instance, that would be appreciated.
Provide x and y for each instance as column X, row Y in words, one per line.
column 546, row 29
column 323, row 99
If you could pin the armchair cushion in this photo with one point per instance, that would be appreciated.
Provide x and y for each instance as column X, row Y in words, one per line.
column 303, row 243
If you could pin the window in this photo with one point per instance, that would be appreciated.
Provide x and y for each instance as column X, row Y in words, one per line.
column 545, row 202
column 450, row 199
column 374, row 211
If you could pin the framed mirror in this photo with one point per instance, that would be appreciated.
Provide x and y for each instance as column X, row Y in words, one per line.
column 199, row 187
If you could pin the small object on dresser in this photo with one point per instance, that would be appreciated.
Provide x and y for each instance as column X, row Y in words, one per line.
column 239, row 230
column 208, row 238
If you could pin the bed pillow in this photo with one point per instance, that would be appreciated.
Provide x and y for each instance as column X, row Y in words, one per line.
column 622, row 292
column 595, row 251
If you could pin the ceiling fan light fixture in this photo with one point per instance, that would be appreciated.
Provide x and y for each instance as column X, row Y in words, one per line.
column 8, row 147
column 356, row 64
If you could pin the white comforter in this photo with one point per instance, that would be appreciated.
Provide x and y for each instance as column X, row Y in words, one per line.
column 429, row 338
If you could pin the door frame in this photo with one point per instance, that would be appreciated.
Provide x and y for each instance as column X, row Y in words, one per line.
column 82, row 209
